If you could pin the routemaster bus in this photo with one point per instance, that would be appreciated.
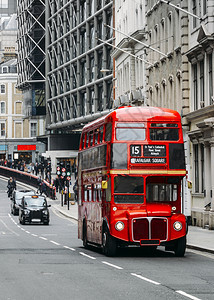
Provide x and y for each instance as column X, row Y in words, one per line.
column 130, row 169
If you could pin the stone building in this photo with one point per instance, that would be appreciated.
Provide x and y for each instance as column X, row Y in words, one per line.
column 17, row 133
column 130, row 77
column 201, row 116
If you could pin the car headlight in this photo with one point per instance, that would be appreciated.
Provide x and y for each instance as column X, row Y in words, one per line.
column 119, row 226
column 45, row 212
column 177, row 226
column 26, row 212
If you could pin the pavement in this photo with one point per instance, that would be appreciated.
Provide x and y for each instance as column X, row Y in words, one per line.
column 197, row 237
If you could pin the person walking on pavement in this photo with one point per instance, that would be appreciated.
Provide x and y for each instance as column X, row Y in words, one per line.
column 39, row 182
column 43, row 188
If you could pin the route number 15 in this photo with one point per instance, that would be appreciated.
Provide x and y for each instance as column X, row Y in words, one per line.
column 135, row 150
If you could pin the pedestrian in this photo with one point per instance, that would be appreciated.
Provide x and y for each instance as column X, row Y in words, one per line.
column 56, row 183
column 11, row 185
column 43, row 188
column 75, row 190
column 39, row 182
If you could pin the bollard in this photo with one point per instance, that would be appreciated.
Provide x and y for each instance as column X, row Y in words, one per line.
column 68, row 201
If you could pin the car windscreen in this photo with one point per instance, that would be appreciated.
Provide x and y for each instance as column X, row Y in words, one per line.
column 19, row 195
column 34, row 202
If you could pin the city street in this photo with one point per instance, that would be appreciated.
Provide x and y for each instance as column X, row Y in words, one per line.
column 49, row 262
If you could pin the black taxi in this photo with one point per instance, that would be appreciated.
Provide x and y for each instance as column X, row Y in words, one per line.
column 34, row 208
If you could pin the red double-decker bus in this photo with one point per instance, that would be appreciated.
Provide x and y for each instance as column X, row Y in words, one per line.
column 130, row 169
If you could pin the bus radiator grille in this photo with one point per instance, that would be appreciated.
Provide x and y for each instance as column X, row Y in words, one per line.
column 150, row 228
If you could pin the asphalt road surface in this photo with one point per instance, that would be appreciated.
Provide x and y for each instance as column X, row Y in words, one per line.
column 49, row 262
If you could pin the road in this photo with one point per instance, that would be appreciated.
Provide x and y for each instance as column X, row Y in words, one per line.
column 49, row 262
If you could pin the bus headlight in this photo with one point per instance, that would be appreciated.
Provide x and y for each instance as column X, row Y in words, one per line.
column 177, row 226
column 119, row 226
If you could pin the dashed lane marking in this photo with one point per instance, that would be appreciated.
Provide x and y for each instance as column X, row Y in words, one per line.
column 91, row 257
column 111, row 265
column 188, row 295
column 72, row 249
column 55, row 243
column 145, row 279
column 43, row 238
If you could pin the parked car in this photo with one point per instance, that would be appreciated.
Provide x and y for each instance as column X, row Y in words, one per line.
column 34, row 208
column 17, row 198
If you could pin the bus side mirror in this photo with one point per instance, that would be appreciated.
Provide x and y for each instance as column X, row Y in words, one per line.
column 104, row 184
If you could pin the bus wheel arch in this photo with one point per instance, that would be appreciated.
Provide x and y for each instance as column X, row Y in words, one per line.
column 109, row 243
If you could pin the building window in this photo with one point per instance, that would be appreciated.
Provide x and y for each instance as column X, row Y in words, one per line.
column 201, row 83
column 18, row 130
column 194, row 11
column 33, row 129
column 195, row 87
column 2, row 107
column 3, row 3
column 204, row 7
column 4, row 69
column 3, row 89
column 2, row 125
column 196, row 168
column 18, row 108
column 210, row 70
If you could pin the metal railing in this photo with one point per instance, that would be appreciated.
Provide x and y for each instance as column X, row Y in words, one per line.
column 29, row 179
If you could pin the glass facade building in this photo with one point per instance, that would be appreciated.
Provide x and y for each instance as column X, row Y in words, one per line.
column 79, row 66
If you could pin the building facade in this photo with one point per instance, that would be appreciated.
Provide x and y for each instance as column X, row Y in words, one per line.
column 130, row 53
column 7, row 7
column 8, row 37
column 31, row 55
column 79, row 69
column 79, row 66
column 201, row 116
column 17, row 134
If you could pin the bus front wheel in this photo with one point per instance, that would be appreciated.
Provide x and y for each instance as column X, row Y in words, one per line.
column 109, row 243
column 180, row 247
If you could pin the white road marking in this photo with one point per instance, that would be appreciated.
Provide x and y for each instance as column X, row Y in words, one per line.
column 146, row 279
column 66, row 247
column 91, row 257
column 43, row 238
column 111, row 265
column 55, row 243
column 188, row 295
column 27, row 231
column 9, row 228
column 33, row 234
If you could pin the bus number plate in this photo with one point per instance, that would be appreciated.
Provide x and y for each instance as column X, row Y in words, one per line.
column 135, row 150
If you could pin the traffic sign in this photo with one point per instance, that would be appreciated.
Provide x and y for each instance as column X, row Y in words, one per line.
column 58, row 168
column 58, row 172
column 68, row 178
column 63, row 173
column 63, row 169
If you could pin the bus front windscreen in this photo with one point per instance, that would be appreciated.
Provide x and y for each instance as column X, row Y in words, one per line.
column 128, row 189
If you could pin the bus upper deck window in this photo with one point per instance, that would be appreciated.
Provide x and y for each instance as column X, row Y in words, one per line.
column 108, row 132
column 130, row 132
column 83, row 141
column 91, row 138
column 101, row 134
column 87, row 140
column 164, row 132
column 96, row 133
